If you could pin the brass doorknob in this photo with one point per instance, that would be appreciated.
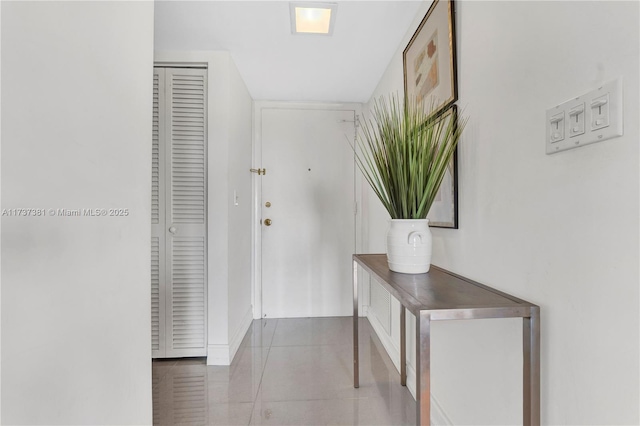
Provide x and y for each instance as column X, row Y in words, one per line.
column 267, row 222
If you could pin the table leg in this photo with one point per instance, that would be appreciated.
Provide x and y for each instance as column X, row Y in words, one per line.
column 423, row 368
column 531, row 368
column 356, row 358
column 403, row 346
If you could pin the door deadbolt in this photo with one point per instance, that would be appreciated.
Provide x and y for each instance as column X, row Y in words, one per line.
column 267, row 204
column 267, row 222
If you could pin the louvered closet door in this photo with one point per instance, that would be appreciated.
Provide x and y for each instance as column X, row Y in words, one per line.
column 183, row 184
column 158, row 228
column 186, row 212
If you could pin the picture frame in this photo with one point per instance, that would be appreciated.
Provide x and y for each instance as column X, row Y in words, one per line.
column 429, row 60
column 444, row 210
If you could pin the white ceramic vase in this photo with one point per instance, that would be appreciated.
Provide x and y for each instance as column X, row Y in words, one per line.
column 409, row 246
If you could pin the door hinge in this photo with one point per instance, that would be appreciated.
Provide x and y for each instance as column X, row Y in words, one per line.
column 259, row 171
column 355, row 121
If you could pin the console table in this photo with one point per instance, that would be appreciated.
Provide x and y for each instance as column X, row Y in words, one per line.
column 442, row 295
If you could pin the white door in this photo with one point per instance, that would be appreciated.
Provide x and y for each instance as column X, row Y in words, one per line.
column 309, row 188
column 178, row 213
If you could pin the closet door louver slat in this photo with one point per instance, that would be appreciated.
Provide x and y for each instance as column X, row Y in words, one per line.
column 158, row 239
column 155, row 153
column 188, row 307
column 188, row 115
column 155, row 294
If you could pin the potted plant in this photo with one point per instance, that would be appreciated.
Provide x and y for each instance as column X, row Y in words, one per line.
column 403, row 152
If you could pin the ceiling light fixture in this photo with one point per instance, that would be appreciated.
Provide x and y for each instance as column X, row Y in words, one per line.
column 313, row 18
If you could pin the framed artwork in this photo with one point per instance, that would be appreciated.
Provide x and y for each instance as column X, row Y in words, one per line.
column 444, row 210
column 430, row 59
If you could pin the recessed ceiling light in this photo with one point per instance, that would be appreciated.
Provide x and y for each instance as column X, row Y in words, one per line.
column 312, row 18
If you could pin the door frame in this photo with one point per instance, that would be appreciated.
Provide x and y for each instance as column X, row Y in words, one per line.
column 256, row 210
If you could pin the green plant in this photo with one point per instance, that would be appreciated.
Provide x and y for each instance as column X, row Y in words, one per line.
column 404, row 151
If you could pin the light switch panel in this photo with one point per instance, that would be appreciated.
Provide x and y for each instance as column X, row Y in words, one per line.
column 593, row 117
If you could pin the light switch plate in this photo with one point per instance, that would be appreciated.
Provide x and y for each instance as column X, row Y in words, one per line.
column 600, row 119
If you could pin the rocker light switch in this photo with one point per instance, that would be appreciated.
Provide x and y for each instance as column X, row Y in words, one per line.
column 556, row 128
column 600, row 112
column 576, row 121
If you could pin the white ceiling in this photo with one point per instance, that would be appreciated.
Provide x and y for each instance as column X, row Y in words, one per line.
column 277, row 65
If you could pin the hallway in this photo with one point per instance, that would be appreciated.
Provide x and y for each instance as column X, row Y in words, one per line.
column 286, row 372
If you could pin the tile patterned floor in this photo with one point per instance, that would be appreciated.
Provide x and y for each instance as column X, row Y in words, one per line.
column 286, row 372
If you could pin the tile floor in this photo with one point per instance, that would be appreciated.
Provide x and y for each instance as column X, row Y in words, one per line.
column 286, row 372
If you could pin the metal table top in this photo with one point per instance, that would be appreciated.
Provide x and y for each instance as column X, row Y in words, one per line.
column 443, row 293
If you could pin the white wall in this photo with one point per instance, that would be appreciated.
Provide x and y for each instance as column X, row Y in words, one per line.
column 229, row 226
column 560, row 231
column 76, row 134
column 240, row 224
column 0, row 210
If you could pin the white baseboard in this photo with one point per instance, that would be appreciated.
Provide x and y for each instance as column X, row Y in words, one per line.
column 218, row 355
column 240, row 332
column 438, row 416
column 392, row 350
column 222, row 354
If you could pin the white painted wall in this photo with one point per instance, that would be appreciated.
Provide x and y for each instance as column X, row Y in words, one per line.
column 0, row 210
column 560, row 231
column 229, row 226
column 77, row 91
column 240, row 136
